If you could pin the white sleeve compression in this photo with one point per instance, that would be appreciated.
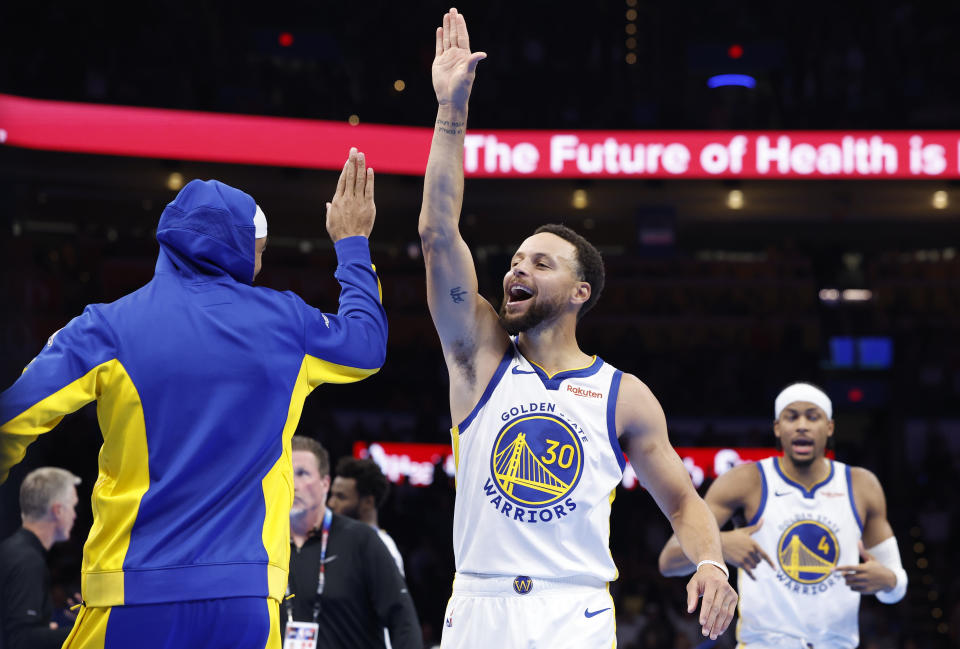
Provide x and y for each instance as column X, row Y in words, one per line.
column 888, row 553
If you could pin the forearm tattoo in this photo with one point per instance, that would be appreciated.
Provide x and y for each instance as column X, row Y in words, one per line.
column 450, row 128
column 456, row 294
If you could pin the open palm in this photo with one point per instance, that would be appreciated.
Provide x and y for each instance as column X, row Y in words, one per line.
column 454, row 66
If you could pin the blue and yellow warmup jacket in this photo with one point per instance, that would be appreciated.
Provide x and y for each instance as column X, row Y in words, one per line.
column 200, row 379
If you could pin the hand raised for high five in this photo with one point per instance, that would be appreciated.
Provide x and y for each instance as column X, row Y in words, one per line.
column 454, row 66
column 351, row 211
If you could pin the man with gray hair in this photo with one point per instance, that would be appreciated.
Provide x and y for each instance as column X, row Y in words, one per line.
column 48, row 500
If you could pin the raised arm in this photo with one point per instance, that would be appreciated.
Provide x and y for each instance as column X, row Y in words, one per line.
column 351, row 344
column 642, row 427
column 470, row 333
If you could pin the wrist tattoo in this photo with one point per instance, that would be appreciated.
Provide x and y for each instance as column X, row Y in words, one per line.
column 456, row 294
column 450, row 128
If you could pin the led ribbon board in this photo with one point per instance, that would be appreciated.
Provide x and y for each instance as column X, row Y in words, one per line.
column 216, row 137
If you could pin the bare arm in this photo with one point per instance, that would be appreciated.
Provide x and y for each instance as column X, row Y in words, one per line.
column 867, row 490
column 469, row 330
column 673, row 561
column 730, row 492
column 642, row 426
column 871, row 575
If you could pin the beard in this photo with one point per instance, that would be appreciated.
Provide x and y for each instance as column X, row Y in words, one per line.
column 536, row 314
column 351, row 512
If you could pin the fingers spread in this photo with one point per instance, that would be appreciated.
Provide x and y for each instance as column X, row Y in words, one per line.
column 749, row 571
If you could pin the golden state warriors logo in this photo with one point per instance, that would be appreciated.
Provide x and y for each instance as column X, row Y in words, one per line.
column 808, row 552
column 537, row 460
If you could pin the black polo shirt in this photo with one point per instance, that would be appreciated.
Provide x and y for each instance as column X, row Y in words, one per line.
column 25, row 604
column 363, row 590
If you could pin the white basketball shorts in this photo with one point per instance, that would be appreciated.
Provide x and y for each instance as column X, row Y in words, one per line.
column 529, row 613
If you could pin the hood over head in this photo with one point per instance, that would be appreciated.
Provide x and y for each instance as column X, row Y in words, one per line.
column 207, row 231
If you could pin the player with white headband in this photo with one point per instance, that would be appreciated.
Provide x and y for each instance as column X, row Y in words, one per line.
column 819, row 525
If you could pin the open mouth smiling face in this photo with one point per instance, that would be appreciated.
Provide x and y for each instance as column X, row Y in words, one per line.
column 517, row 292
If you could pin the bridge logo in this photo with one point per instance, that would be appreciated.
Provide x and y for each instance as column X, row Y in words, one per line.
column 537, row 460
column 808, row 552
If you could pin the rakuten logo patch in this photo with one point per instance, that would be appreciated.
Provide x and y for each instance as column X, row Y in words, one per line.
column 580, row 392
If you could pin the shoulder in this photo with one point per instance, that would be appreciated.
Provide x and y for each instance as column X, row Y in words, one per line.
column 17, row 554
column 287, row 300
column 865, row 483
column 734, row 486
column 633, row 387
column 357, row 531
column 637, row 408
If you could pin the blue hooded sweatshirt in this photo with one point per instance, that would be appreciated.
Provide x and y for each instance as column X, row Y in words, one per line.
column 200, row 379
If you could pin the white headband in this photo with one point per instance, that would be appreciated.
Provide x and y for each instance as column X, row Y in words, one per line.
column 802, row 392
column 260, row 223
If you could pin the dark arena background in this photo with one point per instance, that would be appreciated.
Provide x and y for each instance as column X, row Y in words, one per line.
column 798, row 221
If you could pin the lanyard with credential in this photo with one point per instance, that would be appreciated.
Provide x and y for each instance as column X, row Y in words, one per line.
column 321, row 578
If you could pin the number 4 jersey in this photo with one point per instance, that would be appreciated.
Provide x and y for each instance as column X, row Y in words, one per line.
column 538, row 463
column 807, row 534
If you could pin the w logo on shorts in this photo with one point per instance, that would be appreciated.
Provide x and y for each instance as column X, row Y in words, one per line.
column 522, row 585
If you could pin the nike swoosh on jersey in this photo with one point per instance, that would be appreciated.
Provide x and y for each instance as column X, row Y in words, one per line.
column 588, row 613
column 517, row 370
column 782, row 493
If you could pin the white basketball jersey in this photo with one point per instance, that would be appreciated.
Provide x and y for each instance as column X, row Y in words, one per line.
column 807, row 534
column 392, row 547
column 538, row 463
